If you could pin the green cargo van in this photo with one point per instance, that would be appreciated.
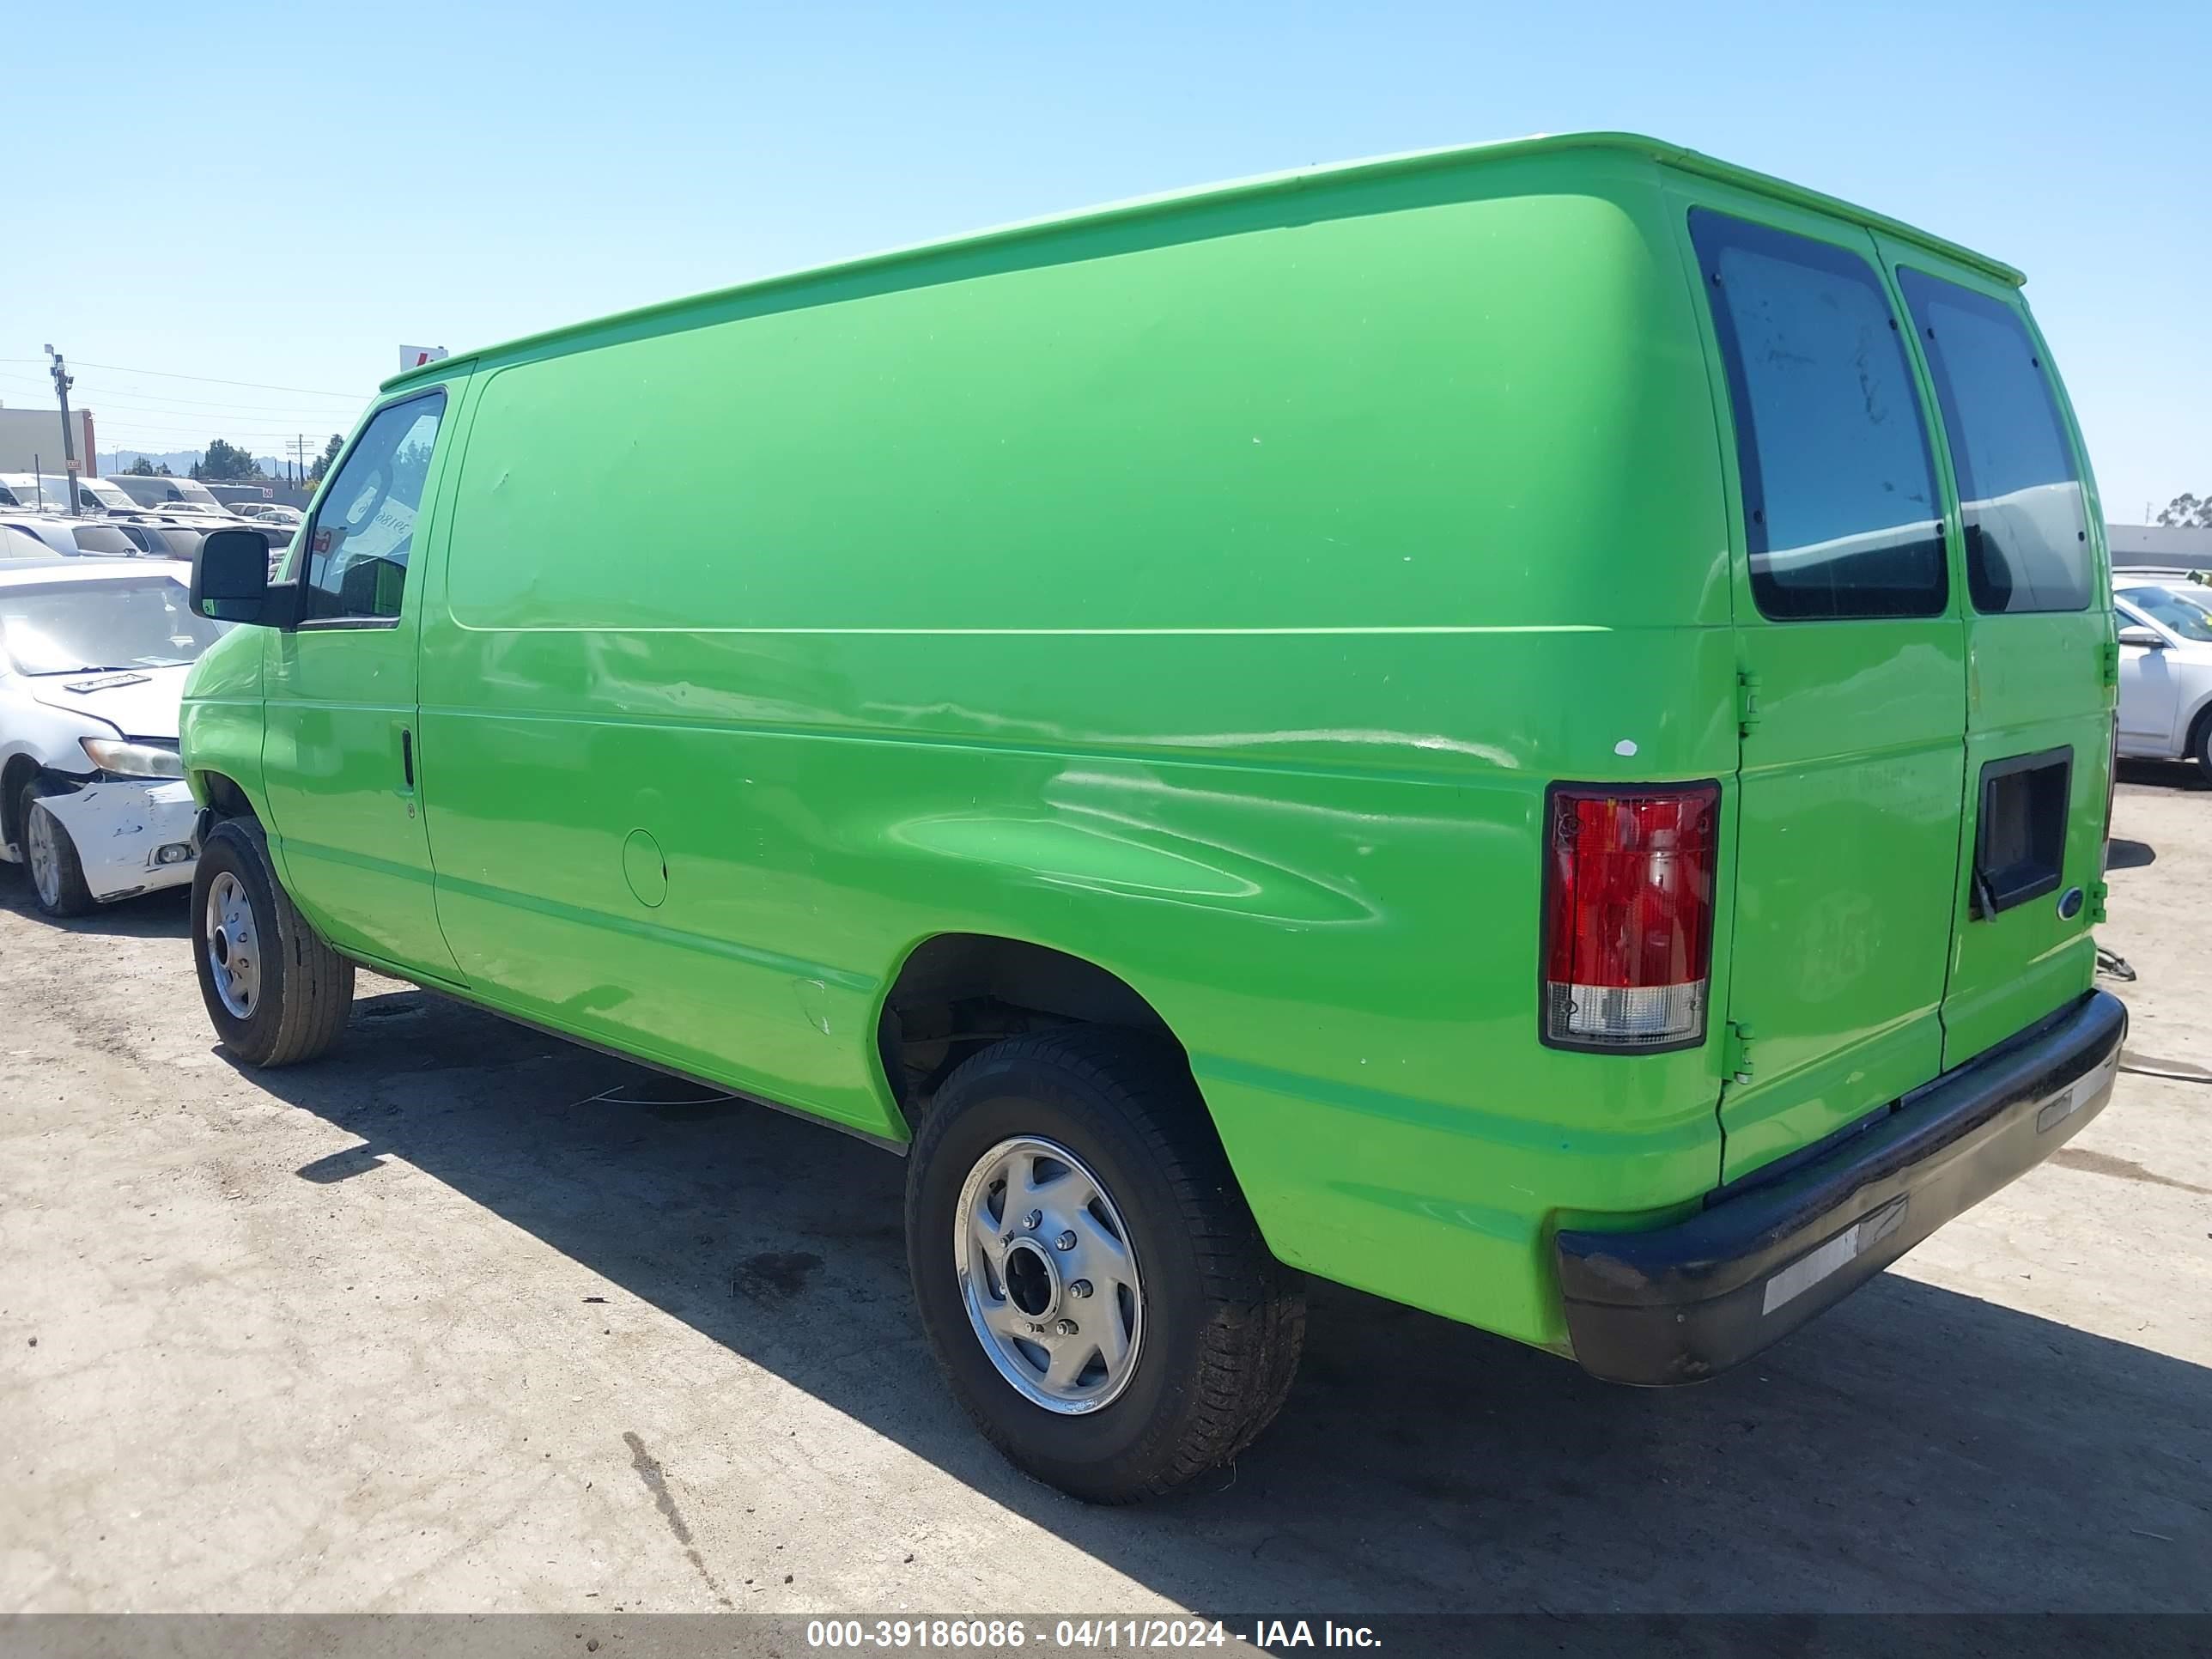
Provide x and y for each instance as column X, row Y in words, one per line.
column 1525, row 728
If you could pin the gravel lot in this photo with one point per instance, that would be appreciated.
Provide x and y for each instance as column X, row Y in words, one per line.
column 467, row 1319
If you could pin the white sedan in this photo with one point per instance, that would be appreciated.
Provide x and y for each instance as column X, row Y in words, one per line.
column 93, row 658
column 2166, row 667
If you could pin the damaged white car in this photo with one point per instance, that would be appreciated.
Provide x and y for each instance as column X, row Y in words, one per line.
column 93, row 660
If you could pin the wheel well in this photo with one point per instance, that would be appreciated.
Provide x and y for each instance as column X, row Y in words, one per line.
column 19, row 770
column 958, row 994
column 225, row 798
column 2196, row 724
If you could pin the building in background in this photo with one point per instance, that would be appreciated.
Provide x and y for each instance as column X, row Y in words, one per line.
column 31, row 440
column 2163, row 547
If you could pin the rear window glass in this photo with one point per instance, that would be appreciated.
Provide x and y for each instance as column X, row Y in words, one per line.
column 2020, row 493
column 101, row 538
column 1841, row 511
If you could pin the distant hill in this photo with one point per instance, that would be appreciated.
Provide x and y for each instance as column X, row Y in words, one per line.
column 179, row 461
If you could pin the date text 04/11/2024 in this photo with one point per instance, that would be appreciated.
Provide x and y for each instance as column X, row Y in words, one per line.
column 988, row 1636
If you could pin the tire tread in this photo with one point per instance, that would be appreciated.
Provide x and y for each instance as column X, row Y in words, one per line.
column 316, row 997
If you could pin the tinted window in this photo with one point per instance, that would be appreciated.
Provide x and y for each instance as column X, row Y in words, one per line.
column 2027, row 543
column 364, row 532
column 1841, row 511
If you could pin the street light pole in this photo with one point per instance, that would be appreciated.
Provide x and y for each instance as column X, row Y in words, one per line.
column 62, row 382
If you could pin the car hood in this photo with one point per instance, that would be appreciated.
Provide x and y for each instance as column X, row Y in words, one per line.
column 139, row 702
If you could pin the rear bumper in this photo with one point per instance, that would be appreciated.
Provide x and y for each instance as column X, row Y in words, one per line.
column 1682, row 1303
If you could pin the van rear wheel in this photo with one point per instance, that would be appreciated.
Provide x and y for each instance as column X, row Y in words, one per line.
column 276, row 993
column 1091, row 1279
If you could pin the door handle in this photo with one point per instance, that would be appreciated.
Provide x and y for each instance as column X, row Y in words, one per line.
column 407, row 755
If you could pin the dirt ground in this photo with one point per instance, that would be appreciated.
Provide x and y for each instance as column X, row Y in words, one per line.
column 466, row 1319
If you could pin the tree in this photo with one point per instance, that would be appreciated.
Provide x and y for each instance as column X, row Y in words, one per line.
column 225, row 462
column 143, row 468
column 2187, row 511
column 327, row 460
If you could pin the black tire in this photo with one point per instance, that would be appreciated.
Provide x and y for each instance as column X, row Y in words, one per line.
column 305, row 993
column 2200, row 744
column 72, row 897
column 1223, row 1321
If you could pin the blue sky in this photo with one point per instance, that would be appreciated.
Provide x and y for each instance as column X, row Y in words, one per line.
column 456, row 174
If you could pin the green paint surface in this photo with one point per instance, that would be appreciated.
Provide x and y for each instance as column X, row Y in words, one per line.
column 1208, row 588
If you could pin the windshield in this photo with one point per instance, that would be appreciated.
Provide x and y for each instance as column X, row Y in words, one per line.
column 2182, row 614
column 75, row 626
column 105, row 494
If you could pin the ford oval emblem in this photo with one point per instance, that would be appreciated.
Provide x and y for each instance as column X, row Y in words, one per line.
column 2069, row 904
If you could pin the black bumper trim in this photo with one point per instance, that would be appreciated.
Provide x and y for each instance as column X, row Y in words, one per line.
column 1682, row 1303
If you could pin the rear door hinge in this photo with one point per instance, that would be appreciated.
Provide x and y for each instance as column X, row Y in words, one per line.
column 1747, row 702
column 1735, row 1053
column 2096, row 906
column 2109, row 658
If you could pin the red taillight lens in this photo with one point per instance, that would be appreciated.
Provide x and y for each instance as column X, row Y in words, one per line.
column 1628, row 914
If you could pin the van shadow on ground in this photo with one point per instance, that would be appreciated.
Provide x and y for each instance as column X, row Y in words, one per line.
column 1914, row 1448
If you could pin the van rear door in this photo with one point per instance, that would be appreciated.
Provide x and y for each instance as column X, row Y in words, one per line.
column 1852, row 658
column 2041, row 661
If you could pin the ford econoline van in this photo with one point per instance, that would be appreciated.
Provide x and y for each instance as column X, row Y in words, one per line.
column 1525, row 728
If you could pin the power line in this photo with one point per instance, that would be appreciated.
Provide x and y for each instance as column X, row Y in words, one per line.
column 171, row 375
column 111, row 431
column 158, row 402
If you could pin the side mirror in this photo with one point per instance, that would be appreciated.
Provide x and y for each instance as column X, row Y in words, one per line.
column 2148, row 638
column 230, row 577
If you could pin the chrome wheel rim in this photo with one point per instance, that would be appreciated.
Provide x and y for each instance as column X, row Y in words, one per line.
column 1049, row 1273
column 234, row 955
column 43, row 854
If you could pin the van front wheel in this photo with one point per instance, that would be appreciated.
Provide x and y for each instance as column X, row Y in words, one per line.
column 276, row 993
column 1091, row 1279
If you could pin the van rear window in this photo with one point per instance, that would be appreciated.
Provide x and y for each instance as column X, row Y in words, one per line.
column 1841, row 512
column 2019, row 493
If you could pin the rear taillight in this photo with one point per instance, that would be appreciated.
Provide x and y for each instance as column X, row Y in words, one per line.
column 1628, row 914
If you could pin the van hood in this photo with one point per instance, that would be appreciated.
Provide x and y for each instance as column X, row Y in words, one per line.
column 138, row 702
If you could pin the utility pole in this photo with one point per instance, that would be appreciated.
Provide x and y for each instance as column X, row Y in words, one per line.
column 62, row 382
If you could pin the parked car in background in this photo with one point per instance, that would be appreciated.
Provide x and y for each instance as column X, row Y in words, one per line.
column 164, row 538
column 69, row 537
column 22, row 543
column 93, row 658
column 158, row 490
column 49, row 493
column 238, row 497
column 274, row 515
column 2166, row 667
column 98, row 495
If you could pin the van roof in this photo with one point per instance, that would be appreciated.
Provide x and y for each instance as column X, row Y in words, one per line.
column 1654, row 150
